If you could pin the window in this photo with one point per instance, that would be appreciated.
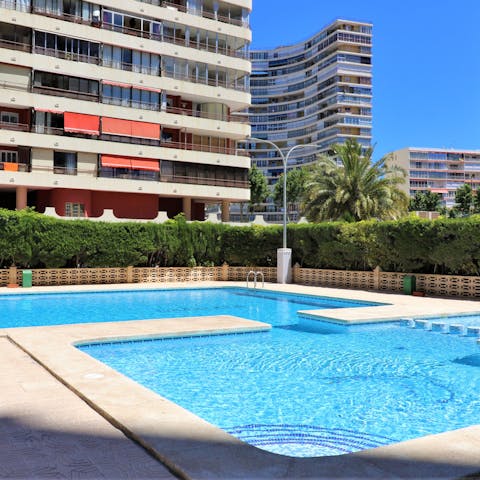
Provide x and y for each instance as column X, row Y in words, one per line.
column 74, row 209
column 65, row 163
column 48, row 122
column 9, row 117
column 8, row 156
column 71, row 85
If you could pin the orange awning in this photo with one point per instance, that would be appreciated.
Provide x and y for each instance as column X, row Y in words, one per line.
column 114, row 161
column 81, row 123
column 439, row 190
column 145, row 164
column 145, row 130
column 130, row 128
column 116, row 126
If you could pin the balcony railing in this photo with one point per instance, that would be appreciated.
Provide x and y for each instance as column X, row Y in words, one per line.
column 202, row 13
column 76, row 57
column 203, row 80
column 50, row 12
column 18, row 127
column 181, row 41
column 171, row 178
column 128, row 102
column 15, row 167
column 198, row 148
column 91, row 97
column 11, row 45
column 211, row 116
column 218, row 182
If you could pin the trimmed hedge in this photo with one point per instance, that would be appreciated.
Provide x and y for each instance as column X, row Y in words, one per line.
column 451, row 246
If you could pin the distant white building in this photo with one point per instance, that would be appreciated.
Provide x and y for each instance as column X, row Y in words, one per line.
column 439, row 171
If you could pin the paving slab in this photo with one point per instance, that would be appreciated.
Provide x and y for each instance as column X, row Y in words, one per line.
column 46, row 431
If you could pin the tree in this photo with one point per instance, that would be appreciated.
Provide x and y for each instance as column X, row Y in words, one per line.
column 425, row 202
column 296, row 180
column 258, row 187
column 350, row 187
column 464, row 199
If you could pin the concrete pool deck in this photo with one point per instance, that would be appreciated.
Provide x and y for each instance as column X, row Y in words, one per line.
column 67, row 391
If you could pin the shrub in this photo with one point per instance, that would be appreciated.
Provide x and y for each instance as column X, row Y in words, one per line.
column 449, row 246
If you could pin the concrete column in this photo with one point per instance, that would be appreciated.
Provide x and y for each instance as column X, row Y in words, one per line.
column 225, row 211
column 187, row 207
column 21, row 194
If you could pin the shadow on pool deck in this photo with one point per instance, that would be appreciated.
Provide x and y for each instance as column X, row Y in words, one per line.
column 30, row 452
column 37, row 453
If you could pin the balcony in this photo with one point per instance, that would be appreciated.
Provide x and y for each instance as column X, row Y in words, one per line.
column 55, row 13
column 11, row 45
column 59, row 92
column 170, row 178
column 180, row 5
column 17, row 127
column 15, row 167
column 181, row 41
column 46, row 130
column 75, row 57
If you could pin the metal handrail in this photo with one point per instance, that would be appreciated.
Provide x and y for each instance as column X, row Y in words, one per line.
column 255, row 275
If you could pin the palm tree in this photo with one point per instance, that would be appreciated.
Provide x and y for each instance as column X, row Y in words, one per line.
column 353, row 188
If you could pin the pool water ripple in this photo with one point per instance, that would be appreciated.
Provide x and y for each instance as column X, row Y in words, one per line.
column 333, row 389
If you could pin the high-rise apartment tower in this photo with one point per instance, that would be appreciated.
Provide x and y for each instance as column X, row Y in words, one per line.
column 123, row 105
column 316, row 91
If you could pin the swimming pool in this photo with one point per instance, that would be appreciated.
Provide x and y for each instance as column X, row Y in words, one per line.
column 92, row 307
column 310, row 388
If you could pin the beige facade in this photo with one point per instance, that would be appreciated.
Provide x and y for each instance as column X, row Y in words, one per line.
column 128, row 108
column 439, row 171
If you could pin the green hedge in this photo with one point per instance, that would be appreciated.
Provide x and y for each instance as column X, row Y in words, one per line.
column 28, row 239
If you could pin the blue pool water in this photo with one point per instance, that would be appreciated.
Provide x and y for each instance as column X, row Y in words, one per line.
column 59, row 309
column 309, row 388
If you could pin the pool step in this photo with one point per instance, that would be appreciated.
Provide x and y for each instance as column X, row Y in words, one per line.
column 441, row 327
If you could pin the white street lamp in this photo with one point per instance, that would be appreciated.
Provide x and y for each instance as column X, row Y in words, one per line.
column 284, row 254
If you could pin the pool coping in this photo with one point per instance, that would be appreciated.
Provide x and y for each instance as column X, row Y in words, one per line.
column 191, row 447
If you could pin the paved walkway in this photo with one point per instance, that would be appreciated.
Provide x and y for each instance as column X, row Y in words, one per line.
column 46, row 431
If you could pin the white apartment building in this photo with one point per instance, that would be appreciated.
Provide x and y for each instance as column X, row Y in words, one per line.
column 316, row 91
column 437, row 170
column 123, row 105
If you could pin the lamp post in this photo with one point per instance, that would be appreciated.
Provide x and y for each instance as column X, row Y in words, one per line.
column 284, row 254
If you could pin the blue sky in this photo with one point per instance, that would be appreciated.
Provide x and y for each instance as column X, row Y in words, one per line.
column 426, row 63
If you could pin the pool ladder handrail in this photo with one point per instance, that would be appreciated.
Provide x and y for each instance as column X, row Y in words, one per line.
column 255, row 275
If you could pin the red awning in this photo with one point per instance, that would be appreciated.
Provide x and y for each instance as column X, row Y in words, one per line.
column 114, row 161
column 150, row 89
column 81, row 123
column 116, row 126
column 145, row 130
column 132, row 163
column 116, row 84
column 130, row 128
column 145, row 164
